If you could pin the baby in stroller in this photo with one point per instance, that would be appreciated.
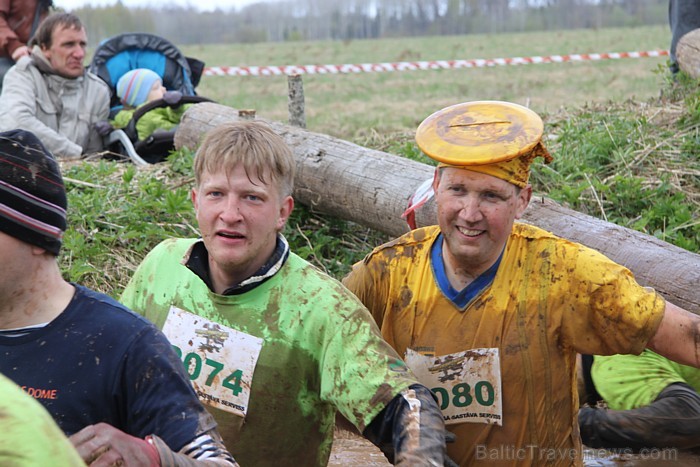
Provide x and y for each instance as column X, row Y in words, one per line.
column 148, row 61
column 140, row 86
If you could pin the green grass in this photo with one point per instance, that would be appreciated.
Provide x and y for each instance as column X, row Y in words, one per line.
column 347, row 105
column 626, row 141
column 620, row 163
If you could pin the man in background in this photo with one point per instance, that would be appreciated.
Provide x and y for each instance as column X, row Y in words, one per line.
column 50, row 93
column 652, row 402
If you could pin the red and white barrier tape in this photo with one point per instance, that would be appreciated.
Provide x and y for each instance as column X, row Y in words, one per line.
column 422, row 65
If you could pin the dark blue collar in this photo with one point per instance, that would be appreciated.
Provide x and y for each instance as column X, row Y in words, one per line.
column 463, row 297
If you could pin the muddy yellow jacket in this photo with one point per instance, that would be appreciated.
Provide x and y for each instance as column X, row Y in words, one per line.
column 549, row 298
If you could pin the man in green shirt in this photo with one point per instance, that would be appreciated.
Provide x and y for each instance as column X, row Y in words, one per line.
column 273, row 345
column 652, row 402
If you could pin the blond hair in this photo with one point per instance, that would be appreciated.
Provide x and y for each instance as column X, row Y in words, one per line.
column 261, row 151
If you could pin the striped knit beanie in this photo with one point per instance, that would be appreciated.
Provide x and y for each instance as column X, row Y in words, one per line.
column 133, row 87
column 32, row 196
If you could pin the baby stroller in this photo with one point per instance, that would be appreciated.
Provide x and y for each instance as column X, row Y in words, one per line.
column 125, row 52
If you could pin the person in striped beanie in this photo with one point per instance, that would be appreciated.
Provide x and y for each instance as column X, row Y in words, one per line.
column 32, row 195
column 108, row 377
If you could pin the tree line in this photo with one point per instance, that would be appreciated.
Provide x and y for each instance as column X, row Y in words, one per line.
column 294, row 20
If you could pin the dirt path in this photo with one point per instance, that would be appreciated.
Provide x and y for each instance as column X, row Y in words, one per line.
column 352, row 450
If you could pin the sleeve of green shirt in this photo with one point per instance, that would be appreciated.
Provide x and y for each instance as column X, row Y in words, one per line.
column 30, row 436
column 631, row 381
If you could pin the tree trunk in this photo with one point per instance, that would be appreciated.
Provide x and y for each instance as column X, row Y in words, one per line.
column 372, row 188
column 688, row 53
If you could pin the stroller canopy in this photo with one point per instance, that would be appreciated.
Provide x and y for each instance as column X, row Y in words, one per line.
column 125, row 52
column 116, row 56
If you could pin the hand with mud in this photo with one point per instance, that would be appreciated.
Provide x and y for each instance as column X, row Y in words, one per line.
column 410, row 431
column 102, row 445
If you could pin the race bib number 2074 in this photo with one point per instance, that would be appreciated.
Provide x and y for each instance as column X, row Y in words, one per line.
column 220, row 361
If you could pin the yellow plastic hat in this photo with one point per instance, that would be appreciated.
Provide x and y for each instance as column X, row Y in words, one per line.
column 485, row 136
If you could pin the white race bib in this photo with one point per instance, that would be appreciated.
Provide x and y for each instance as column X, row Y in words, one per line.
column 468, row 384
column 219, row 360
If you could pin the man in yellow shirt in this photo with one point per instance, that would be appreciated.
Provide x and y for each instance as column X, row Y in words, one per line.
column 489, row 313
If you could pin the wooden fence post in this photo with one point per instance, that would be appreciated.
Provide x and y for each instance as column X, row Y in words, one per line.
column 297, row 115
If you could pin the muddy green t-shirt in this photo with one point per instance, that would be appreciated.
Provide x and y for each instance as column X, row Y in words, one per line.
column 272, row 364
column 30, row 437
column 631, row 381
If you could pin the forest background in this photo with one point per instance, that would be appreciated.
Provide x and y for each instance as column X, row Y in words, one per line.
column 625, row 135
column 295, row 20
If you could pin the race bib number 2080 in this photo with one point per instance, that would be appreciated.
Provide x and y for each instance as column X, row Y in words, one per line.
column 219, row 360
column 467, row 384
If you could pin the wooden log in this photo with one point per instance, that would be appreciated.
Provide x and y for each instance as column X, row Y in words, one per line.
column 688, row 53
column 372, row 188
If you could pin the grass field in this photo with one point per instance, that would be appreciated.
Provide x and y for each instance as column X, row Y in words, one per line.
column 355, row 106
column 621, row 153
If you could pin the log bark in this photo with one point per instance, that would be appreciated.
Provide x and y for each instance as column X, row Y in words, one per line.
column 688, row 53
column 372, row 188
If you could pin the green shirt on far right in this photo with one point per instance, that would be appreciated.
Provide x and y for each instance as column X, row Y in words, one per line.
column 631, row 381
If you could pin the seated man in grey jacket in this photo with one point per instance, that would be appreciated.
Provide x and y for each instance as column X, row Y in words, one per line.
column 51, row 94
